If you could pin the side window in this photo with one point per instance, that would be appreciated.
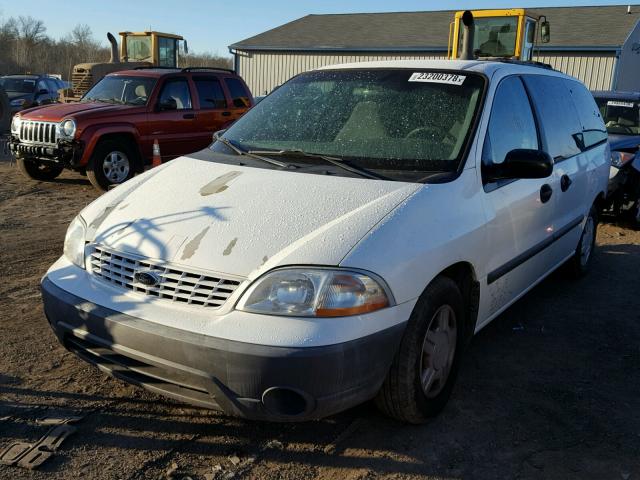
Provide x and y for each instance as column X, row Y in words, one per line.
column 239, row 95
column 210, row 92
column 511, row 124
column 593, row 129
column 42, row 85
column 53, row 86
column 178, row 90
column 557, row 114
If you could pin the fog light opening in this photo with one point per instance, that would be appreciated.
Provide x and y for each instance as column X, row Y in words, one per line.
column 285, row 401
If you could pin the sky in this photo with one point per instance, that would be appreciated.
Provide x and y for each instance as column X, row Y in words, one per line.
column 211, row 26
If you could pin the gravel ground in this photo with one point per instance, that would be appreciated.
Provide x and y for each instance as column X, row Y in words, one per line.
column 551, row 389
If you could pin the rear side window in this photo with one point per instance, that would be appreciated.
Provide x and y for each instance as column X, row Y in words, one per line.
column 593, row 129
column 210, row 92
column 52, row 84
column 557, row 115
column 511, row 124
column 239, row 94
column 178, row 90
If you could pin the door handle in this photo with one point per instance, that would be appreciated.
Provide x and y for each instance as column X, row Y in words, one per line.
column 189, row 116
column 565, row 182
column 226, row 114
column 545, row 193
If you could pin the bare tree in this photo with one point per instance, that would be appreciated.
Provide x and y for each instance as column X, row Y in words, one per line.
column 31, row 30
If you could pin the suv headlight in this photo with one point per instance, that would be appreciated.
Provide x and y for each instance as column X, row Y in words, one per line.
column 67, row 128
column 620, row 159
column 15, row 124
column 74, row 241
column 310, row 292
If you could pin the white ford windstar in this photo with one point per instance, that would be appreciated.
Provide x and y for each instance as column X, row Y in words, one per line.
column 342, row 241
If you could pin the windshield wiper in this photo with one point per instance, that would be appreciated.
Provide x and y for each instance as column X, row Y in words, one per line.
column 239, row 151
column 338, row 162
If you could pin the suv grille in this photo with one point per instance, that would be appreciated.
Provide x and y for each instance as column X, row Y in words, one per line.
column 173, row 284
column 38, row 132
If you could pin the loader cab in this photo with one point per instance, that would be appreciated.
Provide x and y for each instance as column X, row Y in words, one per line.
column 159, row 49
column 508, row 33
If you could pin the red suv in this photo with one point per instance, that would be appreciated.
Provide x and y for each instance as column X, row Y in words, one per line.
column 110, row 133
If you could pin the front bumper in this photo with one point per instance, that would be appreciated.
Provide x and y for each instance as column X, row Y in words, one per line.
column 67, row 153
column 241, row 379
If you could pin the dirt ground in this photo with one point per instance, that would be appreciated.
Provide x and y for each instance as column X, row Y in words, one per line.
column 551, row 389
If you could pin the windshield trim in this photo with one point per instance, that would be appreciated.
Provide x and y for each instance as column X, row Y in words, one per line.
column 437, row 177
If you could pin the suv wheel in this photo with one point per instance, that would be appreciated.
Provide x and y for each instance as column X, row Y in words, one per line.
column 112, row 163
column 425, row 367
column 581, row 260
column 36, row 170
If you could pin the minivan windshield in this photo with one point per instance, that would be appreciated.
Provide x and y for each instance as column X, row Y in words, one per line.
column 121, row 89
column 391, row 120
column 621, row 117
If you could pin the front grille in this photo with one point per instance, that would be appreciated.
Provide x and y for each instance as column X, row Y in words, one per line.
column 177, row 285
column 43, row 133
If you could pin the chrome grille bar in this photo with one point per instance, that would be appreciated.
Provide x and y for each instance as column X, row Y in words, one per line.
column 41, row 133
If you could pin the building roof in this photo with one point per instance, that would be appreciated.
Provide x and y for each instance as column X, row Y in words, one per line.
column 572, row 28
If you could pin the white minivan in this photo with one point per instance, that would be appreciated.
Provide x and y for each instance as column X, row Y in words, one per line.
column 342, row 241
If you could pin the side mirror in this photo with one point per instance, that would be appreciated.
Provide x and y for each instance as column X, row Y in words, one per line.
column 168, row 104
column 545, row 32
column 521, row 163
column 218, row 133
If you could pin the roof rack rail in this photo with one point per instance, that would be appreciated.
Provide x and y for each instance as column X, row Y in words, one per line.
column 531, row 63
column 153, row 67
column 218, row 69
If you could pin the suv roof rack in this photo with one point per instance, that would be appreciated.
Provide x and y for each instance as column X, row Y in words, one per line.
column 215, row 69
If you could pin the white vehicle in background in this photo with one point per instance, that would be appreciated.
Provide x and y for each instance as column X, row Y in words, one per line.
column 342, row 241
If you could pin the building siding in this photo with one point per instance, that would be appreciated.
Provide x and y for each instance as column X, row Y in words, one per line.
column 263, row 71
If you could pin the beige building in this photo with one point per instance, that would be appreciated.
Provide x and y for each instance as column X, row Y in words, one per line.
column 599, row 45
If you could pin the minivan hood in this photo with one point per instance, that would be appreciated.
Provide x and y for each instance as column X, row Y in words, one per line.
column 240, row 220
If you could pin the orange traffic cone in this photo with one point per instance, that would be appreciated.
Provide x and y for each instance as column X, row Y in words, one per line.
column 156, row 160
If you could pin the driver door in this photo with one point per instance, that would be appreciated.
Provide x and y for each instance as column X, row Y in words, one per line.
column 520, row 213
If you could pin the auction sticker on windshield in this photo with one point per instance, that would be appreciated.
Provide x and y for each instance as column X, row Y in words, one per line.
column 435, row 77
column 613, row 103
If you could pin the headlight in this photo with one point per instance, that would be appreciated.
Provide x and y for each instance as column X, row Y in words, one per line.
column 619, row 159
column 68, row 128
column 15, row 124
column 18, row 102
column 307, row 292
column 74, row 241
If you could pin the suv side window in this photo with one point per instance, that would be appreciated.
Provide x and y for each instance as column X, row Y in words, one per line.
column 593, row 129
column 53, row 86
column 42, row 85
column 511, row 124
column 178, row 89
column 557, row 114
column 210, row 92
column 239, row 95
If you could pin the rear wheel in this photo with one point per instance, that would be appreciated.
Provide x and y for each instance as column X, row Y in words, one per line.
column 112, row 163
column 36, row 170
column 424, row 370
column 581, row 260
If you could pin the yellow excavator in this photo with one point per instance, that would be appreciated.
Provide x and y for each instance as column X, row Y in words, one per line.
column 506, row 33
column 137, row 49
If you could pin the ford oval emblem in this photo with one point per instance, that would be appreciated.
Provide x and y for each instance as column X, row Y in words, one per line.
column 147, row 278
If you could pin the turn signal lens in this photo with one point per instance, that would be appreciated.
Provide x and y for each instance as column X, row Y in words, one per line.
column 619, row 159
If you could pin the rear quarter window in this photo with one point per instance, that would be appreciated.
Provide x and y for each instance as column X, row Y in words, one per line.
column 557, row 115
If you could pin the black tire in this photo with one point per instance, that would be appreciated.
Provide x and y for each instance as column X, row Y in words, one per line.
column 579, row 264
column 5, row 112
column 36, row 170
column 97, row 168
column 402, row 396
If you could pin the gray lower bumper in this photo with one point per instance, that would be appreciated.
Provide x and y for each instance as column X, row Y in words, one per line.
column 253, row 381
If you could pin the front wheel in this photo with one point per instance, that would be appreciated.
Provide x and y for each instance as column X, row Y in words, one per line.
column 581, row 260
column 36, row 170
column 424, row 370
column 112, row 163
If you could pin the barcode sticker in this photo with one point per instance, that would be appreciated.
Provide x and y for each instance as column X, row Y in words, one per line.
column 436, row 77
column 613, row 103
